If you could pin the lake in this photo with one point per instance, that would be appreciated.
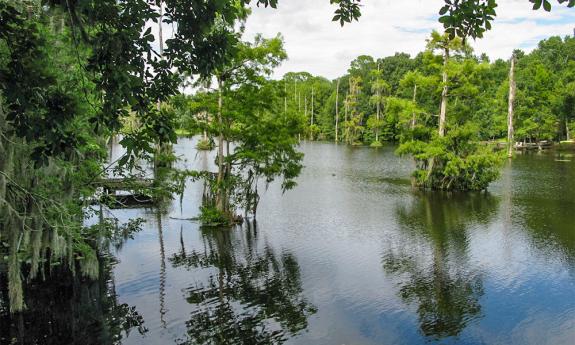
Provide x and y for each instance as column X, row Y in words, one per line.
column 353, row 255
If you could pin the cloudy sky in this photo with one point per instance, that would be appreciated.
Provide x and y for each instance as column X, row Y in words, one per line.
column 316, row 44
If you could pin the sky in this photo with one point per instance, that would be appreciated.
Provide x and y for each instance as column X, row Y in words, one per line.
column 317, row 45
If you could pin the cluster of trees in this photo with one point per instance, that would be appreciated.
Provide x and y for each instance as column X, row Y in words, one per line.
column 73, row 72
column 440, row 105
column 255, row 142
column 379, row 98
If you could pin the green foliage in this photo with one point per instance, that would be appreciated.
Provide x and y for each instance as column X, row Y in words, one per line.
column 353, row 125
column 441, row 42
column 256, row 135
column 48, row 151
column 472, row 18
column 467, row 18
column 41, row 103
column 298, row 102
column 205, row 145
column 374, row 124
column 211, row 216
column 453, row 162
column 264, row 143
column 408, row 93
column 348, row 10
column 393, row 68
column 478, row 92
column 313, row 131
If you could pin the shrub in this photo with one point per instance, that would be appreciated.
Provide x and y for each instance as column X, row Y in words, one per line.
column 205, row 145
column 211, row 216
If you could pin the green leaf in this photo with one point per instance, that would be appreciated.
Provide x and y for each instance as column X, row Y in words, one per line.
column 537, row 4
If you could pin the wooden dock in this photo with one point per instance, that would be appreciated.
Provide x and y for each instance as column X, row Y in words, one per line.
column 132, row 188
column 122, row 184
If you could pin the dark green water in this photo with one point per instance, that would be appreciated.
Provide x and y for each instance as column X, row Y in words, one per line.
column 352, row 256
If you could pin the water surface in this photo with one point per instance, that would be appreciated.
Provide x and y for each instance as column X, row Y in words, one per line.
column 354, row 255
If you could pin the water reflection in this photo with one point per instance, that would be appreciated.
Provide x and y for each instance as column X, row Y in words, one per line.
column 432, row 261
column 67, row 309
column 463, row 269
column 542, row 202
column 163, row 274
column 252, row 295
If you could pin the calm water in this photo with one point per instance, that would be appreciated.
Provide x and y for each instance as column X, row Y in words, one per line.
column 351, row 256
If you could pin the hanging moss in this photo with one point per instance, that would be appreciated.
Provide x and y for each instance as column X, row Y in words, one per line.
column 14, row 272
column 40, row 217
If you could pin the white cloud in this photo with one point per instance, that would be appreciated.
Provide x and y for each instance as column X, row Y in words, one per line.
column 316, row 44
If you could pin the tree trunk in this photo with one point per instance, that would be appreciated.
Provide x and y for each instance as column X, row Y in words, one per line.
column 311, row 127
column 346, row 124
column 443, row 110
column 512, row 87
column 227, row 171
column 312, row 106
column 337, row 111
column 378, row 94
column 161, row 148
column 295, row 91
column 414, row 99
column 305, row 106
column 160, row 35
column 568, row 136
column 377, row 117
column 220, row 194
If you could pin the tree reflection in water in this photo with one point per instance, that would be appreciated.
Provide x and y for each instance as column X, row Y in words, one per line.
column 544, row 206
column 63, row 307
column 252, row 295
column 444, row 289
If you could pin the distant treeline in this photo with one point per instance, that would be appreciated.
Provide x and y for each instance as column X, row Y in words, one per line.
column 544, row 104
column 402, row 86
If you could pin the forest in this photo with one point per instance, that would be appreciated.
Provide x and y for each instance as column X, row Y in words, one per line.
column 377, row 99
column 399, row 99
column 80, row 77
